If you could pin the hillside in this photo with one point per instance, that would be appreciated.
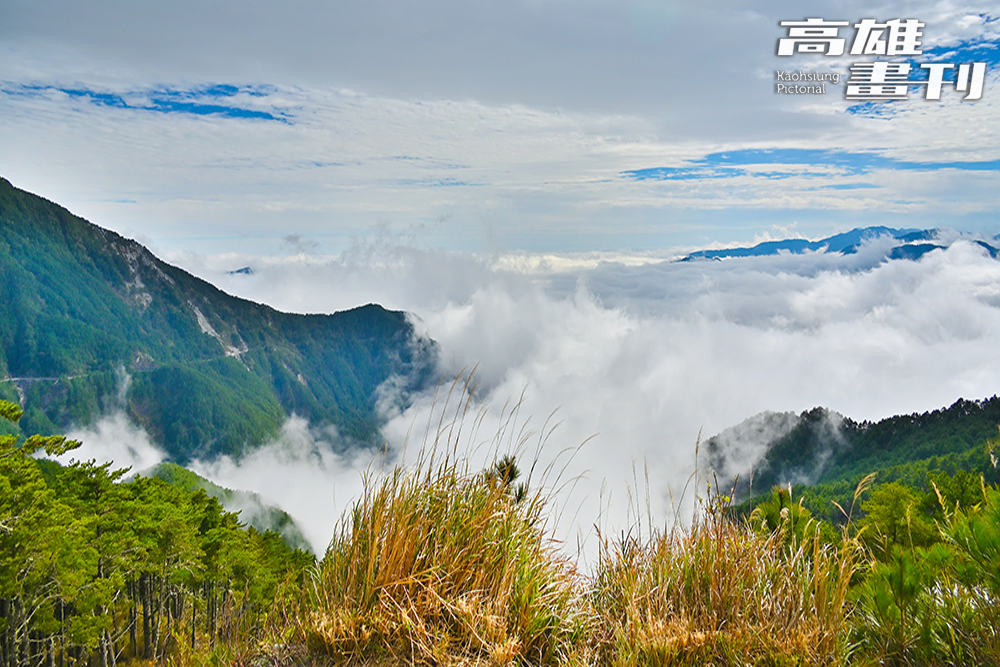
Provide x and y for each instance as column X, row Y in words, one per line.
column 831, row 453
column 252, row 510
column 92, row 322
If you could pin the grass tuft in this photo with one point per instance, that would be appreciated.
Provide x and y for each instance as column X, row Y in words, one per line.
column 438, row 565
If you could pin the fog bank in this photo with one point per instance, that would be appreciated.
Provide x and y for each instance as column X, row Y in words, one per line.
column 617, row 365
column 634, row 359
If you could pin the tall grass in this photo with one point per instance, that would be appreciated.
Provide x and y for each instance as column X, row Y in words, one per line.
column 444, row 567
column 441, row 565
column 722, row 593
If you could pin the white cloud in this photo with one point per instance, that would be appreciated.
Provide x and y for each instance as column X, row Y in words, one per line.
column 499, row 125
column 300, row 473
column 634, row 360
column 114, row 438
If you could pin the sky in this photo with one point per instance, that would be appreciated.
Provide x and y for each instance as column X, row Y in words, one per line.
column 518, row 176
column 541, row 125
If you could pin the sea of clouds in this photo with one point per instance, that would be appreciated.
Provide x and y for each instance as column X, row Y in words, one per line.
column 603, row 371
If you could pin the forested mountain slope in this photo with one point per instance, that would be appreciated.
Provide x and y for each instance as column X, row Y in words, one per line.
column 252, row 510
column 831, row 453
column 92, row 322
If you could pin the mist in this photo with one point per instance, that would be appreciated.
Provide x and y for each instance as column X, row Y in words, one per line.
column 619, row 365
column 603, row 373
column 114, row 438
column 301, row 473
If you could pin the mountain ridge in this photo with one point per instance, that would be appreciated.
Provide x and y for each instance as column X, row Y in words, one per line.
column 912, row 244
column 95, row 323
column 820, row 447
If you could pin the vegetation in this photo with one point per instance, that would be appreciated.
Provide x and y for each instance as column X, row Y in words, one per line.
column 439, row 564
column 443, row 566
column 724, row 592
column 96, row 571
column 253, row 510
column 835, row 454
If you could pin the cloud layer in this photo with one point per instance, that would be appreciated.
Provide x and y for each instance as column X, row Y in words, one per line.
column 619, row 366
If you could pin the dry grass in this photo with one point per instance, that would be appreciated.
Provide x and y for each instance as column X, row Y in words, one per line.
column 444, row 567
column 439, row 565
column 722, row 593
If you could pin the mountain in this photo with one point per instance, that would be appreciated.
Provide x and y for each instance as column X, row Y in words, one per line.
column 92, row 322
column 776, row 448
column 910, row 244
column 830, row 452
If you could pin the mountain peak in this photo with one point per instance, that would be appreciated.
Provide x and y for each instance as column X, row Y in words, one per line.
column 94, row 323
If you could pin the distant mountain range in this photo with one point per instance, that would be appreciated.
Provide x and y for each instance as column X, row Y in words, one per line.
column 91, row 323
column 910, row 244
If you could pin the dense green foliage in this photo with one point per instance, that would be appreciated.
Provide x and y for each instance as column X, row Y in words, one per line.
column 93, row 569
column 253, row 511
column 951, row 432
column 836, row 453
column 93, row 322
column 927, row 588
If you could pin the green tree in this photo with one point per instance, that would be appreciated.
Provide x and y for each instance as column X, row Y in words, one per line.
column 893, row 517
column 975, row 534
column 39, row 564
column 779, row 512
column 963, row 490
column 505, row 472
column 95, row 570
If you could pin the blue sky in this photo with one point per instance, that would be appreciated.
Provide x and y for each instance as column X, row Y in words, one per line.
column 537, row 125
column 811, row 163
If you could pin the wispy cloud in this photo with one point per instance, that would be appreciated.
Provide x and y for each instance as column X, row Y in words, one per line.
column 216, row 100
column 812, row 163
column 521, row 125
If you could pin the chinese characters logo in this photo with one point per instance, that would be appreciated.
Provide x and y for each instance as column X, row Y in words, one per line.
column 878, row 79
